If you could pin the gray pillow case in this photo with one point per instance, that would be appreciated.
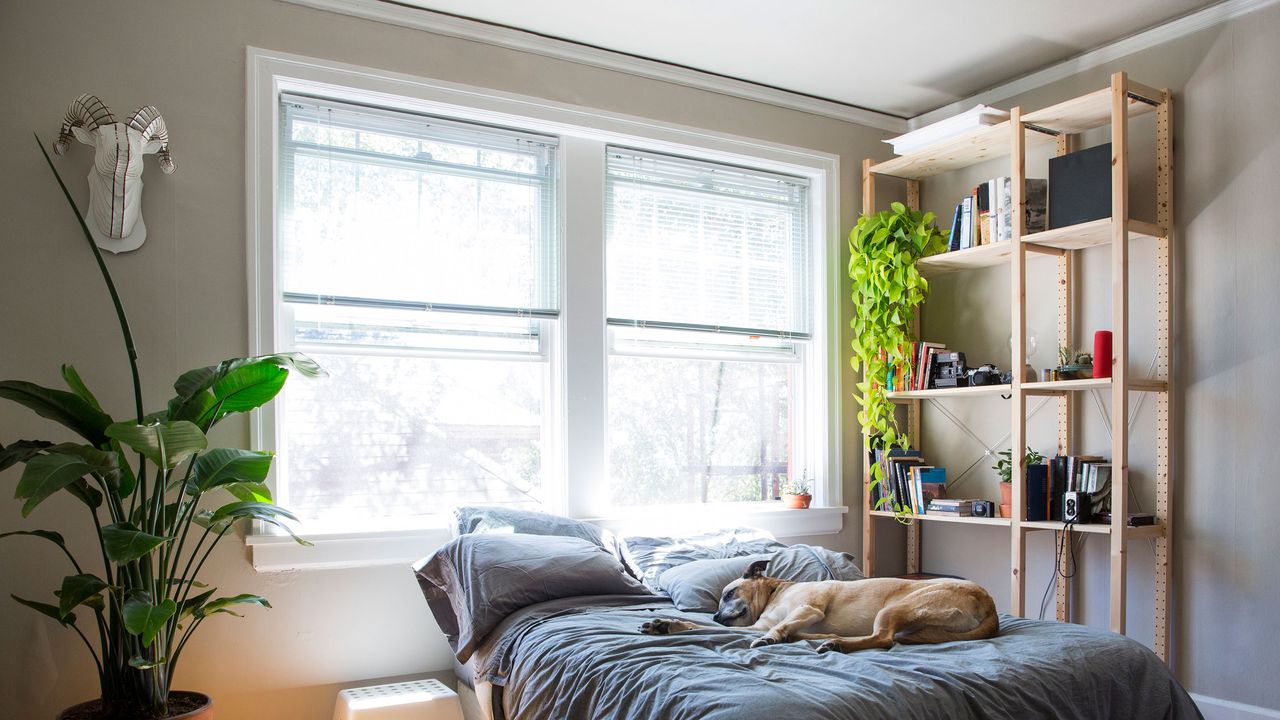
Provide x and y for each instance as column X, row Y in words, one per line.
column 652, row 556
column 475, row 581
column 696, row 586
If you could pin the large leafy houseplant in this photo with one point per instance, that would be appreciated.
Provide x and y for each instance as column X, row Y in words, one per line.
column 144, row 482
column 887, row 289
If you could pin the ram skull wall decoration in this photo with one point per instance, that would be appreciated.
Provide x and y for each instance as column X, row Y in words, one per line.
column 115, row 180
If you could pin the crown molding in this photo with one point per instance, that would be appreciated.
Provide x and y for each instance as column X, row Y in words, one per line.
column 1149, row 38
column 393, row 13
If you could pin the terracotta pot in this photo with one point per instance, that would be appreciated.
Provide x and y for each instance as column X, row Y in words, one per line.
column 1006, row 510
column 91, row 709
column 1006, row 494
column 798, row 502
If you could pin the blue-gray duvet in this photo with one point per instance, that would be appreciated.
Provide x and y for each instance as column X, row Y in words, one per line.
column 582, row 658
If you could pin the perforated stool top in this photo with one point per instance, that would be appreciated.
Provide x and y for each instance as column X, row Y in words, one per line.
column 413, row 700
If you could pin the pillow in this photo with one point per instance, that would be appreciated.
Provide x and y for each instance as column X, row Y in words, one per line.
column 477, row 580
column 651, row 556
column 497, row 519
column 696, row 586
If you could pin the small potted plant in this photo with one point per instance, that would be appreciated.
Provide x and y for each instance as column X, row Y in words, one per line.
column 795, row 493
column 1004, row 466
column 1074, row 365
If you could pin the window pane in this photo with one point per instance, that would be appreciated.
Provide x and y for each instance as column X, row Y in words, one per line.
column 690, row 430
column 387, row 437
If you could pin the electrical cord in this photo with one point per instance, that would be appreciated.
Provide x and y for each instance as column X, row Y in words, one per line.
column 1060, row 548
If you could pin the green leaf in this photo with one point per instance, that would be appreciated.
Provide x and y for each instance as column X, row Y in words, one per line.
column 224, row 466
column 190, row 605
column 249, row 492
column 73, row 381
column 47, row 610
column 166, row 444
column 142, row 663
column 205, row 395
column 145, row 619
column 85, row 494
column 51, row 536
column 77, row 589
column 220, row 605
column 62, row 407
column 46, row 475
column 249, row 386
column 124, row 542
column 21, row 451
column 266, row 512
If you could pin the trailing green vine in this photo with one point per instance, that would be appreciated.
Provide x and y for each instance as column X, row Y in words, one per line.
column 887, row 289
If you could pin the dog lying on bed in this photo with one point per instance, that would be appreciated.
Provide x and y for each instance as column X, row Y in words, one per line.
column 849, row 615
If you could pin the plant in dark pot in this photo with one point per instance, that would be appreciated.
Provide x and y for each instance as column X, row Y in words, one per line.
column 887, row 289
column 1004, row 467
column 146, row 483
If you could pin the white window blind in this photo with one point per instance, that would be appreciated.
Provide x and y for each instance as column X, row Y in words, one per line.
column 693, row 245
column 382, row 208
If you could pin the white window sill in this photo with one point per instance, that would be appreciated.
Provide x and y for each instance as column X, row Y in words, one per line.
column 331, row 550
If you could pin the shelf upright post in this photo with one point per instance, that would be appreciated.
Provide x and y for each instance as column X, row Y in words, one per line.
column 1120, row 345
column 1164, row 355
column 1018, row 586
column 868, row 532
column 1067, row 401
column 914, row 530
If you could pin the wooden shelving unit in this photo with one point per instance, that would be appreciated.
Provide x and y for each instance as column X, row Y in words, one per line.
column 1059, row 124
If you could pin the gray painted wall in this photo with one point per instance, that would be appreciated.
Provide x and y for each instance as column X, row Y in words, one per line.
column 185, row 290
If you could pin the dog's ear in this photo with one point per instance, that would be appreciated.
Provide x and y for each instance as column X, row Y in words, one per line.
column 756, row 569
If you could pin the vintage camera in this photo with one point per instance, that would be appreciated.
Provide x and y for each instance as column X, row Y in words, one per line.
column 984, row 508
column 949, row 370
column 1077, row 507
column 984, row 375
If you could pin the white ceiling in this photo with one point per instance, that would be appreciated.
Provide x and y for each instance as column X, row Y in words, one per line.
column 903, row 58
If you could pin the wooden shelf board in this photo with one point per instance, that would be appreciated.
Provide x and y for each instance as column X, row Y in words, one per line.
column 1143, row 531
column 978, row 391
column 950, row 518
column 967, row 259
column 1089, row 234
column 969, row 148
column 1061, row 387
column 1083, row 113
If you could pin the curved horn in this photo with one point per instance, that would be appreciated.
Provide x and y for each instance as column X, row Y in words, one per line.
column 87, row 112
column 147, row 120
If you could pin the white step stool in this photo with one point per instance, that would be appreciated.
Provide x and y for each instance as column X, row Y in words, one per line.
column 414, row 700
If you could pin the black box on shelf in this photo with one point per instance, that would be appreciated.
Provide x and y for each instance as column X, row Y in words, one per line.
column 1080, row 186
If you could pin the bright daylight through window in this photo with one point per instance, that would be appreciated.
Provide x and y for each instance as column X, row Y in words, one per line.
column 709, row 308
column 384, row 216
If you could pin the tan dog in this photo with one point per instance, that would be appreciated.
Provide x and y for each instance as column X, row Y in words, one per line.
column 849, row 615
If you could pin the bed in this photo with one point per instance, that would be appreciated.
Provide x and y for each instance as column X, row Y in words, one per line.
column 540, row 654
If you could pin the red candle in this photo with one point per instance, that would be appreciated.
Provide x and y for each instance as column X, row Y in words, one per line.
column 1102, row 354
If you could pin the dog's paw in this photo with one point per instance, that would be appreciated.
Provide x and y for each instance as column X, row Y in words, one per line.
column 829, row 646
column 659, row 626
column 762, row 641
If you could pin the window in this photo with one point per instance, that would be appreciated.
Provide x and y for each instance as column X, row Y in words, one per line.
column 709, row 307
column 417, row 262
column 530, row 304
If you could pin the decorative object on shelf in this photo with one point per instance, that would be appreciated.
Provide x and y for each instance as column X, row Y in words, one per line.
column 147, row 601
column 1102, row 354
column 795, row 494
column 984, row 508
column 887, row 288
column 115, row 178
column 1037, row 490
column 1074, row 364
column 949, row 370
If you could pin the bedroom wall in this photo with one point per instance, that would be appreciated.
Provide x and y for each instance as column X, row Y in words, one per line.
column 185, row 290
column 1226, row 344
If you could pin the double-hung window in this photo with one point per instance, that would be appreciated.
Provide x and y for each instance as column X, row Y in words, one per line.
column 709, row 305
column 417, row 261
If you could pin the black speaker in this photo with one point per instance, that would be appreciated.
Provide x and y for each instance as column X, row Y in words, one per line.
column 1080, row 186
column 1077, row 507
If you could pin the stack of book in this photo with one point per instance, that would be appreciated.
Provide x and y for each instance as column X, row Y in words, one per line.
column 985, row 216
column 909, row 484
column 958, row 508
column 917, row 374
column 1079, row 473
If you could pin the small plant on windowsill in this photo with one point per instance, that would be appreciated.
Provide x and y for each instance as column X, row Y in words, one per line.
column 795, row 493
column 887, row 289
column 144, row 598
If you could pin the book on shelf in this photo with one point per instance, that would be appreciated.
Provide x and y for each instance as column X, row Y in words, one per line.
column 958, row 508
column 966, row 223
column 887, row 493
column 985, row 216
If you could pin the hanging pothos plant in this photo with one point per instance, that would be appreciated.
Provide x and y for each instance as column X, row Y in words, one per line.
column 887, row 289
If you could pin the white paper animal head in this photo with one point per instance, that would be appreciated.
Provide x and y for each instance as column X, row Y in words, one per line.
column 115, row 180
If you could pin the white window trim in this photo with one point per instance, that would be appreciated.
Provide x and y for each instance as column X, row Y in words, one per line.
column 582, row 340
